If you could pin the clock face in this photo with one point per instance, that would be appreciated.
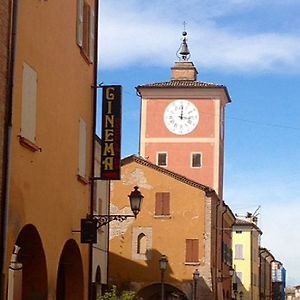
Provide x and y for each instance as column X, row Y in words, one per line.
column 181, row 117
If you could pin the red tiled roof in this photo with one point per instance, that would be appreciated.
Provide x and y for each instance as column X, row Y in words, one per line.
column 184, row 84
column 242, row 222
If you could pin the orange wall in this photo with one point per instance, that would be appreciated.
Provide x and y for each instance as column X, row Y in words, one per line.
column 187, row 221
column 44, row 189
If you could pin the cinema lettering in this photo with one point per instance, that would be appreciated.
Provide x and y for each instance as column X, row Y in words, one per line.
column 111, row 132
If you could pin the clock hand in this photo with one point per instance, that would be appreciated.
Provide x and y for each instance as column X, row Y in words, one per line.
column 181, row 113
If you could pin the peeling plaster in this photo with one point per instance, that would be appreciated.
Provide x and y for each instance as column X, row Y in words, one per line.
column 137, row 177
column 117, row 228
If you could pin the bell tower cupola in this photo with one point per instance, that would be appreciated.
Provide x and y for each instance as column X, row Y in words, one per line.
column 184, row 69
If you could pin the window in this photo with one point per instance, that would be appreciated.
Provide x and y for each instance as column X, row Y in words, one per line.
column 239, row 251
column 162, row 204
column 192, row 250
column 82, row 149
column 162, row 159
column 85, row 34
column 196, row 160
column 141, row 244
column 95, row 195
column 29, row 98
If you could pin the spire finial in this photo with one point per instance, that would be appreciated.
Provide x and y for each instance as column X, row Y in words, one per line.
column 183, row 52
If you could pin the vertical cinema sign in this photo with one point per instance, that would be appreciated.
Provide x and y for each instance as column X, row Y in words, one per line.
column 111, row 132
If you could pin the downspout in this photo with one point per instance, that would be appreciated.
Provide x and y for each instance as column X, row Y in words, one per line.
column 222, row 238
column 216, row 248
column 7, row 141
column 95, row 85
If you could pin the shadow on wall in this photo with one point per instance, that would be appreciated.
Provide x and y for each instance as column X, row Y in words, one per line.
column 146, row 274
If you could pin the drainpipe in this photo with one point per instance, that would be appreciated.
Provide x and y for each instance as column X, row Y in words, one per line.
column 216, row 248
column 222, row 237
column 95, row 85
column 7, row 142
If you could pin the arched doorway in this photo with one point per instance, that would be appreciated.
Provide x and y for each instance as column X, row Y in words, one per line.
column 153, row 292
column 28, row 270
column 69, row 283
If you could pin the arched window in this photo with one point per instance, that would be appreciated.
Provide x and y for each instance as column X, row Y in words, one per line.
column 141, row 243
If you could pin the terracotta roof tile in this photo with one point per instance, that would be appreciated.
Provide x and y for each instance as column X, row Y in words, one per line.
column 242, row 222
column 184, row 84
column 181, row 83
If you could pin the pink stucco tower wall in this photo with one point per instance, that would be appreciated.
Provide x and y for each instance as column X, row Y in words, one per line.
column 207, row 138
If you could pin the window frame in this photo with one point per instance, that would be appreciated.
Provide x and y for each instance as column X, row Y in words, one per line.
column 85, row 31
column 166, row 159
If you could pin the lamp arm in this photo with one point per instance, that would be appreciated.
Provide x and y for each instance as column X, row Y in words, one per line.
column 105, row 219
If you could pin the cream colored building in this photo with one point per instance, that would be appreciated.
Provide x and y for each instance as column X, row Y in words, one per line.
column 245, row 244
column 100, row 207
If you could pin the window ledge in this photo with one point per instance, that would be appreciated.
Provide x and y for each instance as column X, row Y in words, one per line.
column 85, row 56
column 28, row 144
column 162, row 217
column 82, row 179
column 196, row 263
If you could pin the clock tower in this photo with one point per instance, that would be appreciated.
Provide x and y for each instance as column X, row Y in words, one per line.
column 182, row 124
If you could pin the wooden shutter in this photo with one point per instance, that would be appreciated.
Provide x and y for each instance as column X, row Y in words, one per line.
column 192, row 250
column 95, row 195
column 166, row 203
column 162, row 203
column 158, row 204
column 79, row 25
column 92, row 36
column 86, row 28
column 29, row 98
column 239, row 251
column 82, row 148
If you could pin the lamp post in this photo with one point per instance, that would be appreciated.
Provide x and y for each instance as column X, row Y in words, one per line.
column 135, row 199
column 196, row 276
column 241, row 295
column 163, row 263
column 235, row 294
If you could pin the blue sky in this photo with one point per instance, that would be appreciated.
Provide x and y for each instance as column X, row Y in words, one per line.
column 252, row 47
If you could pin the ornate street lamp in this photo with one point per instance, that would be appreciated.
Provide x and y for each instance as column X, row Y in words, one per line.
column 92, row 223
column 135, row 199
column 196, row 277
column 163, row 263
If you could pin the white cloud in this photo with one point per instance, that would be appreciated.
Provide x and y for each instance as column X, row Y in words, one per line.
column 132, row 34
